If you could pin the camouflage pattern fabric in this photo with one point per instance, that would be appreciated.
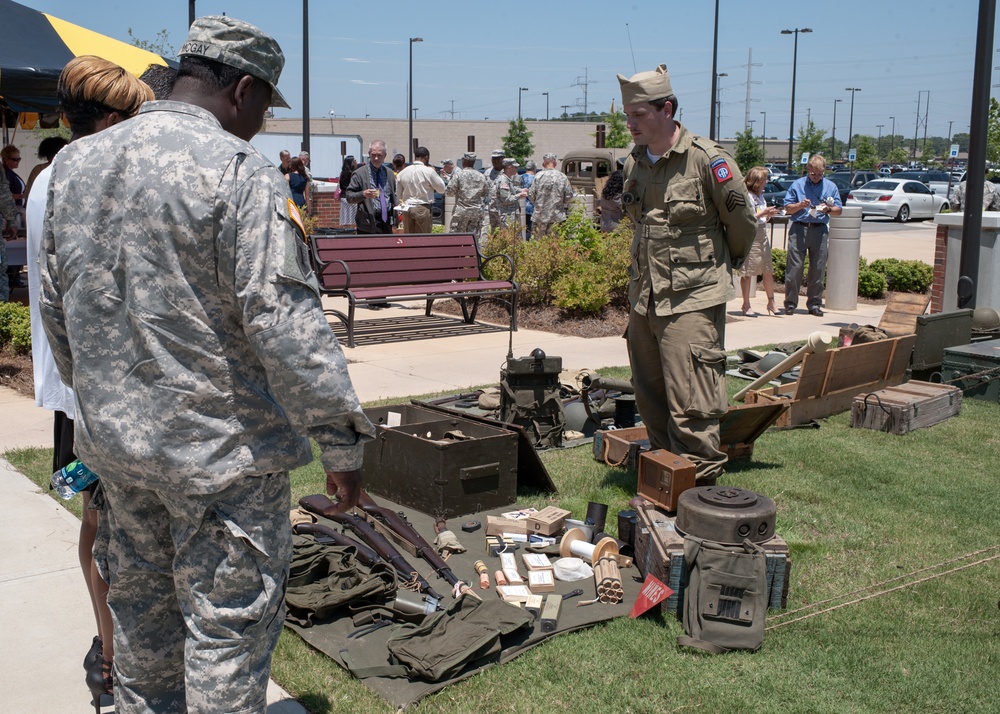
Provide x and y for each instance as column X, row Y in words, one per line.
column 198, row 583
column 470, row 189
column 182, row 306
column 8, row 217
column 551, row 194
column 491, row 177
column 991, row 198
column 505, row 199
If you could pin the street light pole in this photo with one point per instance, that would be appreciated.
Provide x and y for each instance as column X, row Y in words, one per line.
column 878, row 146
column 833, row 134
column 763, row 135
column 546, row 95
column 715, row 77
column 519, row 90
column 850, row 126
column 892, row 136
column 718, row 104
column 410, row 99
column 791, row 111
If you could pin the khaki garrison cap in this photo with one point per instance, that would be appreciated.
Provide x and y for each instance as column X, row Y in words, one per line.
column 237, row 44
column 646, row 86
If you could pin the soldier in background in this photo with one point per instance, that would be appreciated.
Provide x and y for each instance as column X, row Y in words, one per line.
column 491, row 177
column 528, row 178
column 552, row 196
column 8, row 215
column 991, row 197
column 195, row 414
column 470, row 188
column 507, row 194
column 688, row 203
column 447, row 170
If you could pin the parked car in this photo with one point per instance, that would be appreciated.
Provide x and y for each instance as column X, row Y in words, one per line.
column 774, row 194
column 900, row 199
column 843, row 186
column 860, row 178
column 936, row 181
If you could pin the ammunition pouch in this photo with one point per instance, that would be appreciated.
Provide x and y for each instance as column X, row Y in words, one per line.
column 530, row 397
column 725, row 600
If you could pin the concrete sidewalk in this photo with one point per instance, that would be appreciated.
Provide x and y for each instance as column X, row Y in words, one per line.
column 46, row 613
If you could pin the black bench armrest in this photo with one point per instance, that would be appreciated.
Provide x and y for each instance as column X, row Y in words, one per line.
column 488, row 258
column 320, row 265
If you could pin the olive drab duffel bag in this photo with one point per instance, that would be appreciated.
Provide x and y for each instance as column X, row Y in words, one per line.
column 725, row 601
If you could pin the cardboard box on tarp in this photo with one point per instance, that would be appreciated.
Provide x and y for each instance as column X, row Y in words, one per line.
column 440, row 465
column 548, row 521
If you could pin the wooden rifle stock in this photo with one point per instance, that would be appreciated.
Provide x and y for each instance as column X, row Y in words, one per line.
column 323, row 506
column 365, row 554
column 404, row 529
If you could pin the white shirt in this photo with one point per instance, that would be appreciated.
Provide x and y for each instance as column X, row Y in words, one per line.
column 50, row 392
column 417, row 183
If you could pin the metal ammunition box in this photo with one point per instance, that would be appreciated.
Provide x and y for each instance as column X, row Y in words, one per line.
column 975, row 369
column 901, row 409
column 441, row 466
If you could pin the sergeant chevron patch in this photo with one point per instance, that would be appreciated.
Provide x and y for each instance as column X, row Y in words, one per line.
column 734, row 199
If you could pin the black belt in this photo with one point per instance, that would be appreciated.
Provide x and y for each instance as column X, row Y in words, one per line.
column 810, row 223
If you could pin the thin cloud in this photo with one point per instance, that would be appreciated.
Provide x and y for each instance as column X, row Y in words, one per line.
column 361, row 81
column 355, row 59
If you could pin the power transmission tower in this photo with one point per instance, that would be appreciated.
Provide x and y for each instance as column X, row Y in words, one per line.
column 749, row 65
column 583, row 82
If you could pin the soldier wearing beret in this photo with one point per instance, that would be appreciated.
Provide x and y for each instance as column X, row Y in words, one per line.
column 470, row 189
column 687, row 200
column 180, row 305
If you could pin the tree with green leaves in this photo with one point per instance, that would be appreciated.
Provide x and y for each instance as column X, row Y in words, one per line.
column 517, row 142
column 811, row 139
column 898, row 155
column 993, row 132
column 161, row 45
column 749, row 152
column 617, row 135
column 865, row 146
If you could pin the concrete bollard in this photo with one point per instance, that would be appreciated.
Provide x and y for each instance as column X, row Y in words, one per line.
column 842, row 259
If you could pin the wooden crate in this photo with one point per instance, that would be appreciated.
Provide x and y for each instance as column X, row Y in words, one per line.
column 621, row 447
column 901, row 409
column 901, row 312
column 829, row 381
column 659, row 549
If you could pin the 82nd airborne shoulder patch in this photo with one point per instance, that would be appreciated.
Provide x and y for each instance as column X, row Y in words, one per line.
column 721, row 170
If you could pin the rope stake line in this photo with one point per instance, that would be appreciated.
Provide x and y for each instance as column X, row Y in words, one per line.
column 884, row 592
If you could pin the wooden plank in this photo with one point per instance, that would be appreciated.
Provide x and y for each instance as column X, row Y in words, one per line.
column 901, row 312
column 812, row 373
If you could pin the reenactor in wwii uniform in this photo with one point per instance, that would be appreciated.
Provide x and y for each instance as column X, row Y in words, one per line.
column 689, row 206
column 552, row 196
column 507, row 193
column 190, row 324
column 470, row 189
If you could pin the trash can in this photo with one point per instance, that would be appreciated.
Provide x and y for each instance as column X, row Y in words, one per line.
column 842, row 260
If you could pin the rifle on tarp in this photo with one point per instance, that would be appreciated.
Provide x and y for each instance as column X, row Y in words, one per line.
column 323, row 506
column 318, row 531
column 402, row 527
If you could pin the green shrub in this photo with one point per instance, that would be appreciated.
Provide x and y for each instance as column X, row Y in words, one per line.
column 15, row 327
column 871, row 284
column 584, row 289
column 779, row 257
column 908, row 276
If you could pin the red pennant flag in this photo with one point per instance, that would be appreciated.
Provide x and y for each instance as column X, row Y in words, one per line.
column 653, row 592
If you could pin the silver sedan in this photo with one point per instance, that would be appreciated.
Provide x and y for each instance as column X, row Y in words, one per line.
column 899, row 199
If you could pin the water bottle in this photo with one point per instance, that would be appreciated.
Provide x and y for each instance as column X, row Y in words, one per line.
column 73, row 478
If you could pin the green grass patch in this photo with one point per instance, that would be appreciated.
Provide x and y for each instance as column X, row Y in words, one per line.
column 857, row 507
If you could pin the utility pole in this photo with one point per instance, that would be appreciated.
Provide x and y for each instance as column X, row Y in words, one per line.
column 750, row 64
column 583, row 82
column 927, row 105
column 833, row 134
column 916, row 126
column 565, row 112
column 452, row 112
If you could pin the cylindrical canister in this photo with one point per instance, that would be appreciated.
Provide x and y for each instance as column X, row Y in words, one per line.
column 627, row 521
column 597, row 515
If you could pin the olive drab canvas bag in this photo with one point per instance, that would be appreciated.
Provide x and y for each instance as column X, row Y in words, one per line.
column 725, row 602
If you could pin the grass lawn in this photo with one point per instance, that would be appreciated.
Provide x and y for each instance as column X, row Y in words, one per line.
column 857, row 508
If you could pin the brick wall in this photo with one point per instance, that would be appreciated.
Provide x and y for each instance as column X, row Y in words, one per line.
column 327, row 208
column 940, row 254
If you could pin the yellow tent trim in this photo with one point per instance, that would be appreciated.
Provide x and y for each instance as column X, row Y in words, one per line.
column 82, row 41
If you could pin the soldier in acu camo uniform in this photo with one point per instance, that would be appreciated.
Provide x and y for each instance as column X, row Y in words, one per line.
column 8, row 217
column 180, row 304
column 552, row 196
column 469, row 187
column 507, row 193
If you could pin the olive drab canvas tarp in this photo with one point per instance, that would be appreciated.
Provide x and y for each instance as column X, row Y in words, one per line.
column 37, row 46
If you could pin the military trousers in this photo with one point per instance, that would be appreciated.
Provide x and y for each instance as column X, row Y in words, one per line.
column 467, row 220
column 197, row 587
column 803, row 237
column 678, row 370
column 543, row 228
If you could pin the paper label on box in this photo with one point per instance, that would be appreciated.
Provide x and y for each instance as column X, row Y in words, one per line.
column 393, row 419
column 536, row 561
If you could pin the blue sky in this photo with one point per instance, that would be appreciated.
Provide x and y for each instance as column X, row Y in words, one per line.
column 476, row 54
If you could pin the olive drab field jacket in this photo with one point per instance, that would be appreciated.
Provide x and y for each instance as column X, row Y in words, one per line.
column 693, row 225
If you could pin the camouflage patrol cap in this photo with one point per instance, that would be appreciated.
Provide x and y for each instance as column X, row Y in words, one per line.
column 469, row 156
column 510, row 162
column 498, row 154
column 237, row 44
column 646, row 86
column 549, row 157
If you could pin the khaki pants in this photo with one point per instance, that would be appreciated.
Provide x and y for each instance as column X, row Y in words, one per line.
column 417, row 219
column 678, row 370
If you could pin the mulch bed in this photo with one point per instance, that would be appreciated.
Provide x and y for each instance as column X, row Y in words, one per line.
column 15, row 372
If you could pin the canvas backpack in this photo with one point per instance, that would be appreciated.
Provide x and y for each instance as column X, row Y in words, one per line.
column 725, row 600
